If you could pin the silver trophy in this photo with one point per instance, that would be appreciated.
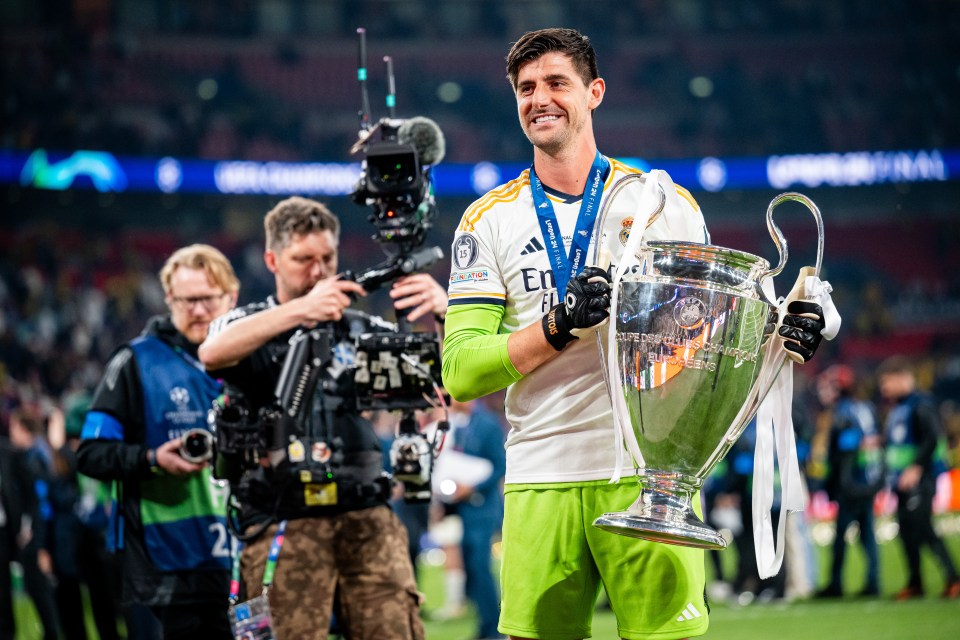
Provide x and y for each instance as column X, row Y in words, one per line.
column 692, row 325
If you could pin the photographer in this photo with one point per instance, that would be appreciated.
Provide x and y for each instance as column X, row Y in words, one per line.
column 341, row 535
column 169, row 525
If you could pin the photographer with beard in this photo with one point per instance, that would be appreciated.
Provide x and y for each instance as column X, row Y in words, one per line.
column 335, row 536
column 169, row 525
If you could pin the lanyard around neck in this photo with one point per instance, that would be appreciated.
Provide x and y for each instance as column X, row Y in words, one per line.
column 564, row 265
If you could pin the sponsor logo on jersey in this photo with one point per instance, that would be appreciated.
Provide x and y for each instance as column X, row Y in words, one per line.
column 532, row 246
column 481, row 275
column 465, row 251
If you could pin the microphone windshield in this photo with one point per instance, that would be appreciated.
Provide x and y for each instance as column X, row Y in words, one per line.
column 424, row 135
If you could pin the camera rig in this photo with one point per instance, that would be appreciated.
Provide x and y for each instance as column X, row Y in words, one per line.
column 395, row 181
column 396, row 370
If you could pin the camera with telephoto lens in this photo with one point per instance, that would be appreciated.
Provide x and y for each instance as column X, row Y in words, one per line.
column 196, row 445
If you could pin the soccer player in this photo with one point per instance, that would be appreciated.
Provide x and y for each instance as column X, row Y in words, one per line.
column 508, row 327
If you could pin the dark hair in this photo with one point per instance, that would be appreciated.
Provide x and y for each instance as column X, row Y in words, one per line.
column 895, row 364
column 297, row 216
column 571, row 42
column 29, row 419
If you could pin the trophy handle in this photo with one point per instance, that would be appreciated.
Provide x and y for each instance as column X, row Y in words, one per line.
column 781, row 242
column 600, row 254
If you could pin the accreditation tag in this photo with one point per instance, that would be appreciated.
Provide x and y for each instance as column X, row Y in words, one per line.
column 251, row 620
column 315, row 495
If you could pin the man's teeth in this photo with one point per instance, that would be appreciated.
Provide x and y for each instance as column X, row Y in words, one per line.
column 540, row 119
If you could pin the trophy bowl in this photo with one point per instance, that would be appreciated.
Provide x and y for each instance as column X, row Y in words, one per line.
column 691, row 325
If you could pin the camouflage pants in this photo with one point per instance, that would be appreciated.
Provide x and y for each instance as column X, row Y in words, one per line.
column 361, row 554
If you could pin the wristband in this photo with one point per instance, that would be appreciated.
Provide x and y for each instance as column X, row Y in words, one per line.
column 152, row 460
column 555, row 328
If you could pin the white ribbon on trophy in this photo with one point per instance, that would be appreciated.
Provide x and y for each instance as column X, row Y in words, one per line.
column 774, row 419
column 680, row 224
column 775, row 427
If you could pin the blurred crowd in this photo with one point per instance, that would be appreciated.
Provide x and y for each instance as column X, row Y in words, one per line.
column 276, row 80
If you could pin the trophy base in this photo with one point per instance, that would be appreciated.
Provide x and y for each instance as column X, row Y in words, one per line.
column 663, row 513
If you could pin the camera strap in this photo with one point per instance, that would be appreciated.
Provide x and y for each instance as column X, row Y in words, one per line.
column 269, row 568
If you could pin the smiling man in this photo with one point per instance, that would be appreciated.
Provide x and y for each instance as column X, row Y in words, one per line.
column 507, row 326
column 169, row 524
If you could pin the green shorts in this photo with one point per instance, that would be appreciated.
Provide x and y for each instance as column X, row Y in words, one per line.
column 555, row 560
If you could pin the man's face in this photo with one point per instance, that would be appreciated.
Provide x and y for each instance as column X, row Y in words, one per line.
column 194, row 302
column 896, row 385
column 304, row 262
column 553, row 103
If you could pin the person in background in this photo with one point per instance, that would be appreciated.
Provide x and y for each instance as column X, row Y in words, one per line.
column 79, row 550
column 912, row 433
column 854, row 472
column 169, row 523
column 476, row 432
column 27, row 434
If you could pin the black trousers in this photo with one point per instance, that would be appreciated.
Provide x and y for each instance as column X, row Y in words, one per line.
column 36, row 583
column 190, row 621
column 915, row 515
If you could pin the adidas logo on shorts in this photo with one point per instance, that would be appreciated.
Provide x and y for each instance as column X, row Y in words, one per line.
column 689, row 613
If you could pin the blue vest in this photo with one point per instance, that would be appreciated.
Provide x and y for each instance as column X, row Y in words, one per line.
column 859, row 423
column 184, row 518
column 902, row 441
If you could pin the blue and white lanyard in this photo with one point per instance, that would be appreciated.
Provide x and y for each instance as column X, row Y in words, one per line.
column 566, row 266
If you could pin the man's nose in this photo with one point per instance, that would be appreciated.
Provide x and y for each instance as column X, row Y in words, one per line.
column 541, row 96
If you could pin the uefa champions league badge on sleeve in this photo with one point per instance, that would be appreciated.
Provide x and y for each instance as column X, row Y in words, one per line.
column 251, row 620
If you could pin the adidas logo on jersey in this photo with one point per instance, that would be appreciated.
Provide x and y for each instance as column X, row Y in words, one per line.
column 532, row 247
column 689, row 613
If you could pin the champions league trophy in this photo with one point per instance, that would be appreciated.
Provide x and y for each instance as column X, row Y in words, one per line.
column 690, row 356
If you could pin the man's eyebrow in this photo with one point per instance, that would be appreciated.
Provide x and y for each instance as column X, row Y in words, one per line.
column 550, row 78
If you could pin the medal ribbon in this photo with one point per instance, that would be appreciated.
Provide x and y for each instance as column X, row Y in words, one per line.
column 566, row 266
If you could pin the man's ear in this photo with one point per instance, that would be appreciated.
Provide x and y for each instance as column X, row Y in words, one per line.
column 270, row 259
column 597, row 88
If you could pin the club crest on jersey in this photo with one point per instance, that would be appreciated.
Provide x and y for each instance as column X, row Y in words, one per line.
column 689, row 312
column 465, row 251
column 625, row 227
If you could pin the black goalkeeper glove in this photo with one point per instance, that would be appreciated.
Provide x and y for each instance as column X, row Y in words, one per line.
column 586, row 305
column 801, row 328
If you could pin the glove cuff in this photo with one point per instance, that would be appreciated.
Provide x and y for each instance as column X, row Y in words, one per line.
column 556, row 328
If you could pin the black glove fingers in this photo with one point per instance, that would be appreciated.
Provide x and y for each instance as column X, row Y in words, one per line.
column 597, row 288
column 803, row 306
column 795, row 333
column 801, row 322
column 795, row 347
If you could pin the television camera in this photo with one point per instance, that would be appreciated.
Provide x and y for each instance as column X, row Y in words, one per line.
column 395, row 181
column 393, row 370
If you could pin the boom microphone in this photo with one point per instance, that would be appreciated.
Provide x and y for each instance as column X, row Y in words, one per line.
column 424, row 135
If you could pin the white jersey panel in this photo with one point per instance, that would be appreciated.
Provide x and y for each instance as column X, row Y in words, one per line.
column 559, row 414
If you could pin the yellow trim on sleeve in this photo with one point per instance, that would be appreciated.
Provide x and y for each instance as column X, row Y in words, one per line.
column 505, row 193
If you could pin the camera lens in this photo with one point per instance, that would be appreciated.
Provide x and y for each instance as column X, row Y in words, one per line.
column 196, row 445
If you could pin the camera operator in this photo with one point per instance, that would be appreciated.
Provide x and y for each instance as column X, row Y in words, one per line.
column 170, row 524
column 339, row 536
